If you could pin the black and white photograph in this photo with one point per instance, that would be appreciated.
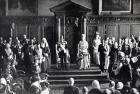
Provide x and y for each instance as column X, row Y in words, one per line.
column 69, row 47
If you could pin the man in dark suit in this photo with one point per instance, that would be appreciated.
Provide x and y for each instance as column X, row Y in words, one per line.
column 71, row 89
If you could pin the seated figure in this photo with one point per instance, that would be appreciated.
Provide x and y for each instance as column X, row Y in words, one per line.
column 62, row 53
column 83, row 54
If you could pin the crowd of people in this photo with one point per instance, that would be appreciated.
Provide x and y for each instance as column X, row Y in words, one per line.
column 23, row 66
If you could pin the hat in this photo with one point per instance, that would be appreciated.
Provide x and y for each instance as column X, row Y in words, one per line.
column 119, row 85
column 3, row 81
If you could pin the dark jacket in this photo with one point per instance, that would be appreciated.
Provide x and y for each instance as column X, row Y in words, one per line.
column 95, row 91
column 71, row 90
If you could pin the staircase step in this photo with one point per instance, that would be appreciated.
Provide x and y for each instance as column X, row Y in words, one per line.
column 74, row 72
column 63, row 77
column 75, row 67
column 61, row 86
column 78, row 81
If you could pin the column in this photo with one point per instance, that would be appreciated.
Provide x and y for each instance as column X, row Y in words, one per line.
column 85, row 26
column 6, row 7
column 59, row 28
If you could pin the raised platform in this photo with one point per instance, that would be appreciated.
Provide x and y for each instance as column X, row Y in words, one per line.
column 59, row 78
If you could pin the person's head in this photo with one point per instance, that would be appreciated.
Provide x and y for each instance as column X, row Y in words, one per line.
column 83, row 36
column 32, row 41
column 107, row 91
column 139, row 38
column 112, row 84
column 24, row 36
column 96, row 36
column 85, row 90
column 121, row 56
column 135, row 45
column 113, row 39
column 44, row 40
column 119, row 86
column 95, row 84
column 1, row 39
column 127, row 60
column 106, row 41
column 38, row 45
column 138, row 83
column 3, row 82
column 71, row 81
column 116, row 45
column 35, row 88
column 126, row 41
column 134, row 91
column 129, row 40
column 7, row 45
column 18, row 42
column 120, row 40
column 13, row 25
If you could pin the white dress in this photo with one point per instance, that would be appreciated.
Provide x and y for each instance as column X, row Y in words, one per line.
column 83, row 55
column 96, row 59
column 107, row 57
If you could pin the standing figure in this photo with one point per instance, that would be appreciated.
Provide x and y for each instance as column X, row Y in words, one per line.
column 62, row 53
column 102, row 51
column 8, row 60
column 83, row 54
column 27, row 55
column 113, row 58
column 107, row 57
column 38, row 58
column 18, row 52
column 126, row 48
column 96, row 43
column 46, row 55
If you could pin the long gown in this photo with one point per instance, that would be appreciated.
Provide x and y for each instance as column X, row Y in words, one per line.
column 46, row 59
column 83, row 55
column 38, row 60
column 8, row 59
column 96, row 59
column 107, row 57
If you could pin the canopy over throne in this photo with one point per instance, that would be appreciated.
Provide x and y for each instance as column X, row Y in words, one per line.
column 70, row 23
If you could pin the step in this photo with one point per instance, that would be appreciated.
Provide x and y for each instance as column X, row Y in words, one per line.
column 78, row 81
column 61, row 86
column 85, row 76
column 74, row 72
column 74, row 66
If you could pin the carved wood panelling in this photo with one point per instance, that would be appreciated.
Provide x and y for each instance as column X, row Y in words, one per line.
column 21, row 29
column 135, row 30
column 124, row 30
column 112, row 31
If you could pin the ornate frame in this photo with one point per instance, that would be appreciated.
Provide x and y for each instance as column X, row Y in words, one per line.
column 115, row 11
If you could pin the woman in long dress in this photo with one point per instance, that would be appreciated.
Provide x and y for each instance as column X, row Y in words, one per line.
column 38, row 58
column 96, row 43
column 46, row 55
column 83, row 53
column 8, row 59
column 107, row 57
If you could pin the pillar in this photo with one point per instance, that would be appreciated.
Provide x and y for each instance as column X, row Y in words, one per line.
column 85, row 26
column 59, row 28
